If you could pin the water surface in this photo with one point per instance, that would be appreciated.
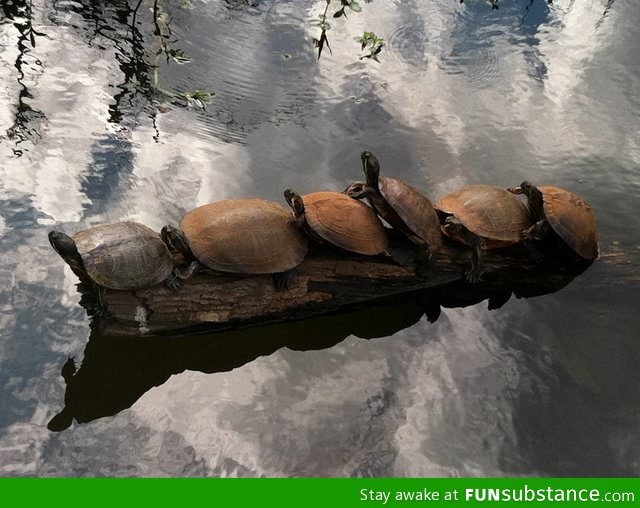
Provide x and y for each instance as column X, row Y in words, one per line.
column 462, row 94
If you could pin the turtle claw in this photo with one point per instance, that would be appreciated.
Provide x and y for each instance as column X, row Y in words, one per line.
column 174, row 282
column 285, row 280
column 96, row 304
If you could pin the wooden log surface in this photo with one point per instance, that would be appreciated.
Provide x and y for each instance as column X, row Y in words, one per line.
column 330, row 281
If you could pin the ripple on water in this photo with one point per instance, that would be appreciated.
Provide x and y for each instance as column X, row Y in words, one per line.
column 406, row 43
column 260, row 77
column 484, row 66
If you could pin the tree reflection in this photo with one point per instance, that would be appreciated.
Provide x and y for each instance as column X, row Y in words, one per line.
column 112, row 21
column 27, row 121
column 116, row 21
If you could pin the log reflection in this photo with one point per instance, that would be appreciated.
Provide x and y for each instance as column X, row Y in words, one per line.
column 117, row 370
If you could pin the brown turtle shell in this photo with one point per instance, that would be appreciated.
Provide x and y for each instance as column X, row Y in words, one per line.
column 124, row 255
column 494, row 214
column 573, row 219
column 345, row 222
column 249, row 236
column 414, row 210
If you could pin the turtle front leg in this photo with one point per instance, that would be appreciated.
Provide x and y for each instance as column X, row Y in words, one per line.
column 423, row 260
column 174, row 281
column 459, row 232
column 538, row 231
column 99, row 309
column 474, row 273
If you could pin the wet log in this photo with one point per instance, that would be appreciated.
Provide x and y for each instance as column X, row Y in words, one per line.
column 327, row 282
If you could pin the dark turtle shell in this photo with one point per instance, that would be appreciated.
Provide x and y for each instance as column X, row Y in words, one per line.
column 124, row 255
column 493, row 214
column 344, row 222
column 246, row 235
column 404, row 207
column 573, row 219
column 416, row 212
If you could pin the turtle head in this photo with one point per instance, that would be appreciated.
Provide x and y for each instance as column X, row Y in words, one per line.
column 175, row 239
column 454, row 228
column 295, row 202
column 65, row 246
column 62, row 243
column 371, row 168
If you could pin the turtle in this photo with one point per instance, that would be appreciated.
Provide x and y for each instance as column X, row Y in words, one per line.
column 569, row 215
column 335, row 218
column 483, row 217
column 401, row 205
column 122, row 256
column 244, row 236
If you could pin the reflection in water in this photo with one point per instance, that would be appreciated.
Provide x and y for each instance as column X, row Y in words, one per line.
column 116, row 371
column 109, row 22
column 545, row 386
column 28, row 121
column 114, row 23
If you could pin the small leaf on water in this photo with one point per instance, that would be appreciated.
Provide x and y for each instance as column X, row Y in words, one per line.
column 354, row 6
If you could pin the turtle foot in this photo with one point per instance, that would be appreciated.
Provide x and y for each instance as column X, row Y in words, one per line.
column 284, row 281
column 174, row 281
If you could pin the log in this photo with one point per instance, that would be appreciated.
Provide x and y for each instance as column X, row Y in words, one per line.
column 329, row 281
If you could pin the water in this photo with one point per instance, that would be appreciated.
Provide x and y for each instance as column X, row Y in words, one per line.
column 462, row 94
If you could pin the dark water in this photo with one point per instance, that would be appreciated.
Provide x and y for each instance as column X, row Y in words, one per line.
column 462, row 94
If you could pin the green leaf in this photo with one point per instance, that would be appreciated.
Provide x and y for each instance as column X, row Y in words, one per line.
column 177, row 55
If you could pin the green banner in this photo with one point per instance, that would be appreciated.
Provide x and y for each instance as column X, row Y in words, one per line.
column 362, row 493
